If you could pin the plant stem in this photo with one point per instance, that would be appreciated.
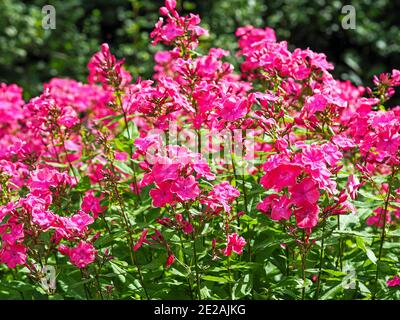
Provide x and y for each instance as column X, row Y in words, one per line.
column 130, row 240
column 339, row 262
column 99, row 287
column 185, row 261
column 139, row 269
column 66, row 156
column 87, row 293
column 383, row 233
column 199, row 141
column 287, row 260
column 132, row 164
column 321, row 260
column 195, row 256
column 303, row 267
column 303, row 274
column 230, row 278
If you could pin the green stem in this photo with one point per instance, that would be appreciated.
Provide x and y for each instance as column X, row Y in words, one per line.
column 303, row 274
column 287, row 261
column 186, row 263
column 86, row 289
column 66, row 156
column 321, row 260
column 339, row 262
column 130, row 240
column 132, row 164
column 99, row 287
column 303, row 267
column 198, row 140
column 383, row 233
column 195, row 256
column 230, row 278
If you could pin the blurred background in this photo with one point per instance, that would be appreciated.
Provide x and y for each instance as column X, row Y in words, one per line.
column 30, row 55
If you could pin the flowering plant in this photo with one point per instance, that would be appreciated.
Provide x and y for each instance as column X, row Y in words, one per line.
column 275, row 181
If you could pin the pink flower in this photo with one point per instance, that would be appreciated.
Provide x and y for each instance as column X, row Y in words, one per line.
column 343, row 142
column 186, row 188
column 396, row 77
column 43, row 218
column 265, row 206
column 91, row 204
column 13, row 255
column 175, row 30
column 104, row 68
column 122, row 156
column 95, row 172
column 281, row 209
column 6, row 209
column 332, row 153
column 80, row 221
column 394, row 282
column 141, row 240
column 203, row 170
column 312, row 157
column 306, row 190
column 235, row 244
column 69, row 117
column 170, row 260
column 166, row 33
column 82, row 255
column 64, row 250
column 221, row 196
column 281, row 145
column 15, row 234
column 185, row 225
column 233, row 108
column 352, row 186
column 162, row 195
column 378, row 219
column 170, row 4
column 315, row 103
column 306, row 215
column 165, row 172
column 282, row 176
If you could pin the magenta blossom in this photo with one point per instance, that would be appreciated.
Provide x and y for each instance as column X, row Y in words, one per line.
column 235, row 244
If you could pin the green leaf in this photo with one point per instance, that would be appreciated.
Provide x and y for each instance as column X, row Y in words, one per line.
column 332, row 292
column 243, row 287
column 57, row 164
column 121, row 165
column 215, row 279
column 371, row 256
column 83, row 185
column 335, row 273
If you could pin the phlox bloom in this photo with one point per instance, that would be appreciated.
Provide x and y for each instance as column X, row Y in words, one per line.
column 13, row 255
column 162, row 195
column 306, row 190
column 306, row 215
column 91, row 204
column 81, row 255
column 378, row 218
column 141, row 240
column 282, row 176
column 281, row 208
column 186, row 188
column 235, row 244
column 165, row 172
column 394, row 282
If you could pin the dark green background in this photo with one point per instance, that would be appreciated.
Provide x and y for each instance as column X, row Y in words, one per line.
column 30, row 55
